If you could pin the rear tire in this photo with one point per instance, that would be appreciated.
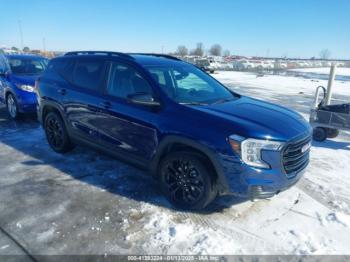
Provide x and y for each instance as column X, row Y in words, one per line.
column 56, row 133
column 185, row 181
column 319, row 134
column 332, row 132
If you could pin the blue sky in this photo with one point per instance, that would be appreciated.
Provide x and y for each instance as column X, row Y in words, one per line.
column 296, row 28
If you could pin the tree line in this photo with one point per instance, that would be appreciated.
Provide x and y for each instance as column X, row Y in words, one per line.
column 215, row 50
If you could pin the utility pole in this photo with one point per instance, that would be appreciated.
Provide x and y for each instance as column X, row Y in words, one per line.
column 330, row 83
column 162, row 49
column 20, row 33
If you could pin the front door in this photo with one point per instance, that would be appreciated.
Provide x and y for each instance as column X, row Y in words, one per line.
column 127, row 128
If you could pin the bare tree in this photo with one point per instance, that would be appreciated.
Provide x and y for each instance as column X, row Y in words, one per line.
column 215, row 50
column 199, row 51
column 325, row 54
column 227, row 53
column 182, row 50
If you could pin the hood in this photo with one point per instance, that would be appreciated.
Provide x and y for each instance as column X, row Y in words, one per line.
column 24, row 79
column 253, row 118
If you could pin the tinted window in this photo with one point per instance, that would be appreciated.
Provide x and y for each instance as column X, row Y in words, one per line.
column 88, row 73
column 63, row 67
column 125, row 80
column 27, row 66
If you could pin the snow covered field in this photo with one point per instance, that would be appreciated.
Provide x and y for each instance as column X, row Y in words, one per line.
column 341, row 71
column 49, row 201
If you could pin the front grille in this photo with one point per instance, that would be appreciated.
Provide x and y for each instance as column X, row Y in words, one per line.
column 293, row 158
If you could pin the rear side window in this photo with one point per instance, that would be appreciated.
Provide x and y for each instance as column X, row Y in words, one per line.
column 63, row 67
column 88, row 73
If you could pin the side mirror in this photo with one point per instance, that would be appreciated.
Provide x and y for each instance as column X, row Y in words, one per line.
column 143, row 99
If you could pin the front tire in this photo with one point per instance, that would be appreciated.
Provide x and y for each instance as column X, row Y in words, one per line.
column 12, row 107
column 56, row 133
column 185, row 181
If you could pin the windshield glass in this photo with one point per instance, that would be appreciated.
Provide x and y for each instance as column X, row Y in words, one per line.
column 187, row 84
column 27, row 66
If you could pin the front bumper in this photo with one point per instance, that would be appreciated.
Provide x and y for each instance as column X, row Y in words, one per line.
column 286, row 168
column 248, row 182
column 268, row 191
column 27, row 101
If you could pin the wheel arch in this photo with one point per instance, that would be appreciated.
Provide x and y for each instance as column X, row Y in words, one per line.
column 47, row 107
column 178, row 144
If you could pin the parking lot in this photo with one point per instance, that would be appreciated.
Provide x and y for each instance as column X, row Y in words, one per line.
column 87, row 203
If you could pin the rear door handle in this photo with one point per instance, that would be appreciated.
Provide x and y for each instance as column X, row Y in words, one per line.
column 106, row 104
column 61, row 91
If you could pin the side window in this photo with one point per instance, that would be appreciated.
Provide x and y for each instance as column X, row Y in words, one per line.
column 63, row 67
column 124, row 80
column 158, row 75
column 87, row 73
column 191, row 81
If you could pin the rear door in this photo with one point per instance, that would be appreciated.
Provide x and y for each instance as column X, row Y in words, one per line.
column 128, row 129
column 81, row 97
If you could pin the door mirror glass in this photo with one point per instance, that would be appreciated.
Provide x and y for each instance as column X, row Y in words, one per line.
column 143, row 99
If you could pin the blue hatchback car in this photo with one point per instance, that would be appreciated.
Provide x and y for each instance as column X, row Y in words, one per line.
column 196, row 137
column 17, row 79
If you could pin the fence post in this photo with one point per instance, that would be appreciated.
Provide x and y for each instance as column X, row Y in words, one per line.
column 330, row 83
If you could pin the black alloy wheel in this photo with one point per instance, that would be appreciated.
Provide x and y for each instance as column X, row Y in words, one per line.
column 56, row 133
column 185, row 181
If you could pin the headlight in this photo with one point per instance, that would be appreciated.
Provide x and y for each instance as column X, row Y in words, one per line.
column 250, row 149
column 27, row 88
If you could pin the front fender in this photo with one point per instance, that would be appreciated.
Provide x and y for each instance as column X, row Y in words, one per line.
column 211, row 154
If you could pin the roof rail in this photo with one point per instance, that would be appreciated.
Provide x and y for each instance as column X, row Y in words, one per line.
column 99, row 53
column 158, row 55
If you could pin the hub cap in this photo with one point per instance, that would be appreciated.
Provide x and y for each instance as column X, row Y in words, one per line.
column 184, row 182
column 54, row 132
column 11, row 106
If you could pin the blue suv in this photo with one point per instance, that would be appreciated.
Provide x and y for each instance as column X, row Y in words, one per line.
column 17, row 79
column 195, row 136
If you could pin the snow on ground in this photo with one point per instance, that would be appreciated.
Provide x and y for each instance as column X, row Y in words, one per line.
column 311, row 218
column 342, row 71
column 48, row 201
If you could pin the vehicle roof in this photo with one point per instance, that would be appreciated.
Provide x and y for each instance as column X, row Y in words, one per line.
column 24, row 56
column 138, row 58
column 150, row 60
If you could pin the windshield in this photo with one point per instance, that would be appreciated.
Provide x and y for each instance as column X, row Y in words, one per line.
column 27, row 66
column 187, row 84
